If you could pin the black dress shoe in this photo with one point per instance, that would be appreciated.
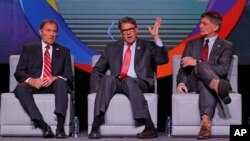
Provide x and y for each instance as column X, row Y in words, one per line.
column 223, row 91
column 47, row 133
column 147, row 134
column 94, row 134
column 60, row 133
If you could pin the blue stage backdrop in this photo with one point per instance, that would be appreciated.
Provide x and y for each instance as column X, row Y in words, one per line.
column 94, row 23
column 14, row 29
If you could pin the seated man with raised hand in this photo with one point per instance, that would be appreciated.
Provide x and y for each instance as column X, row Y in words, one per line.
column 132, row 62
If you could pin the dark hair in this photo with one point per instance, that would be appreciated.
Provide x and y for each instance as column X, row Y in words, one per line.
column 48, row 21
column 126, row 20
column 214, row 17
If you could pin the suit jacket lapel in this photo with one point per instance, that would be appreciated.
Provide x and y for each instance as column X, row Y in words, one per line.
column 55, row 57
column 216, row 46
column 138, row 51
column 118, row 51
column 200, row 44
column 39, row 54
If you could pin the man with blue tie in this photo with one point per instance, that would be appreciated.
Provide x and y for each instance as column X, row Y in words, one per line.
column 132, row 62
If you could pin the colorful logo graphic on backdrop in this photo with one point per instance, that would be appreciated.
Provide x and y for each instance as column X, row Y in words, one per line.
column 230, row 9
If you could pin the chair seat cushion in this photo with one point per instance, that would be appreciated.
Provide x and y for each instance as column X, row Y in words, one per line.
column 119, row 116
column 15, row 121
column 119, row 111
column 185, row 111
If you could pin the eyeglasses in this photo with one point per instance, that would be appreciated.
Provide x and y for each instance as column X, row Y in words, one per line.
column 128, row 30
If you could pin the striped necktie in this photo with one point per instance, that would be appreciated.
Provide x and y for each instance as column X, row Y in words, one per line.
column 47, row 63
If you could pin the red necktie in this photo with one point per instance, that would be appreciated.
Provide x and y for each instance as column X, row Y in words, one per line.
column 47, row 63
column 126, row 62
column 204, row 53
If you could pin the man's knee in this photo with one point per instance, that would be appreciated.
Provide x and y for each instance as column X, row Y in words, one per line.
column 107, row 79
column 20, row 88
column 130, row 82
column 202, row 66
column 60, row 82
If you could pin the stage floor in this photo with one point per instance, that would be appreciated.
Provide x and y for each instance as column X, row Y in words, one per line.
column 83, row 137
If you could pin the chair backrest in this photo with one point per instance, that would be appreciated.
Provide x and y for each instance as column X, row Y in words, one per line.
column 13, row 60
column 232, row 74
column 95, row 58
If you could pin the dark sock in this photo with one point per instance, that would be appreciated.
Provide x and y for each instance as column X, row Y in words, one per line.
column 35, row 122
column 140, row 122
column 98, row 120
column 40, row 124
column 149, row 125
column 60, row 121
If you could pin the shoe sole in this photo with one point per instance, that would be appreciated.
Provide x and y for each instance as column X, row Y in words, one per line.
column 49, row 136
column 202, row 138
column 150, row 137
column 94, row 137
column 223, row 91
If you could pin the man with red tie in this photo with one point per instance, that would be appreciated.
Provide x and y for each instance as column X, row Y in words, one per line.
column 204, row 66
column 132, row 62
column 45, row 67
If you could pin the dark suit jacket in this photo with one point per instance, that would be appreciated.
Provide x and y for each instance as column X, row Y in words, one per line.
column 31, row 62
column 147, row 57
column 220, row 57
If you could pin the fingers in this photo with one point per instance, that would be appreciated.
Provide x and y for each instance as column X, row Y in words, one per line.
column 157, row 22
column 35, row 82
column 182, row 89
column 149, row 29
column 46, row 82
column 154, row 31
column 38, row 83
column 185, row 90
column 188, row 61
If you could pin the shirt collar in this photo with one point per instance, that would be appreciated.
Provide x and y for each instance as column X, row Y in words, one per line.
column 212, row 39
column 125, row 43
column 44, row 45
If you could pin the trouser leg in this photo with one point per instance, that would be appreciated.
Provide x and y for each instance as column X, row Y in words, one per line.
column 59, row 88
column 207, row 100
column 24, row 93
column 134, row 89
column 104, row 94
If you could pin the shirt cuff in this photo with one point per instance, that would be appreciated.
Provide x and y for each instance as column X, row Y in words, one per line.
column 159, row 43
column 181, row 84
column 65, row 79
column 27, row 80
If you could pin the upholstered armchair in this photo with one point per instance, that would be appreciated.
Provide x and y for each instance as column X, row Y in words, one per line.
column 185, row 112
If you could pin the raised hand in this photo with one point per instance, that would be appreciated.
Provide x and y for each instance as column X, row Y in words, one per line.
column 155, row 30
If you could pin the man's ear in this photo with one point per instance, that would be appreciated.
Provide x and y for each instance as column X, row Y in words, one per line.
column 216, row 28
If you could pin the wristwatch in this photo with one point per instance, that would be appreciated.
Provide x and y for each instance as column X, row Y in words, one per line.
column 198, row 61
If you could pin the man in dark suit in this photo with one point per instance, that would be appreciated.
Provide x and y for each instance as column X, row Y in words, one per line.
column 138, row 79
column 30, row 74
column 205, row 71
